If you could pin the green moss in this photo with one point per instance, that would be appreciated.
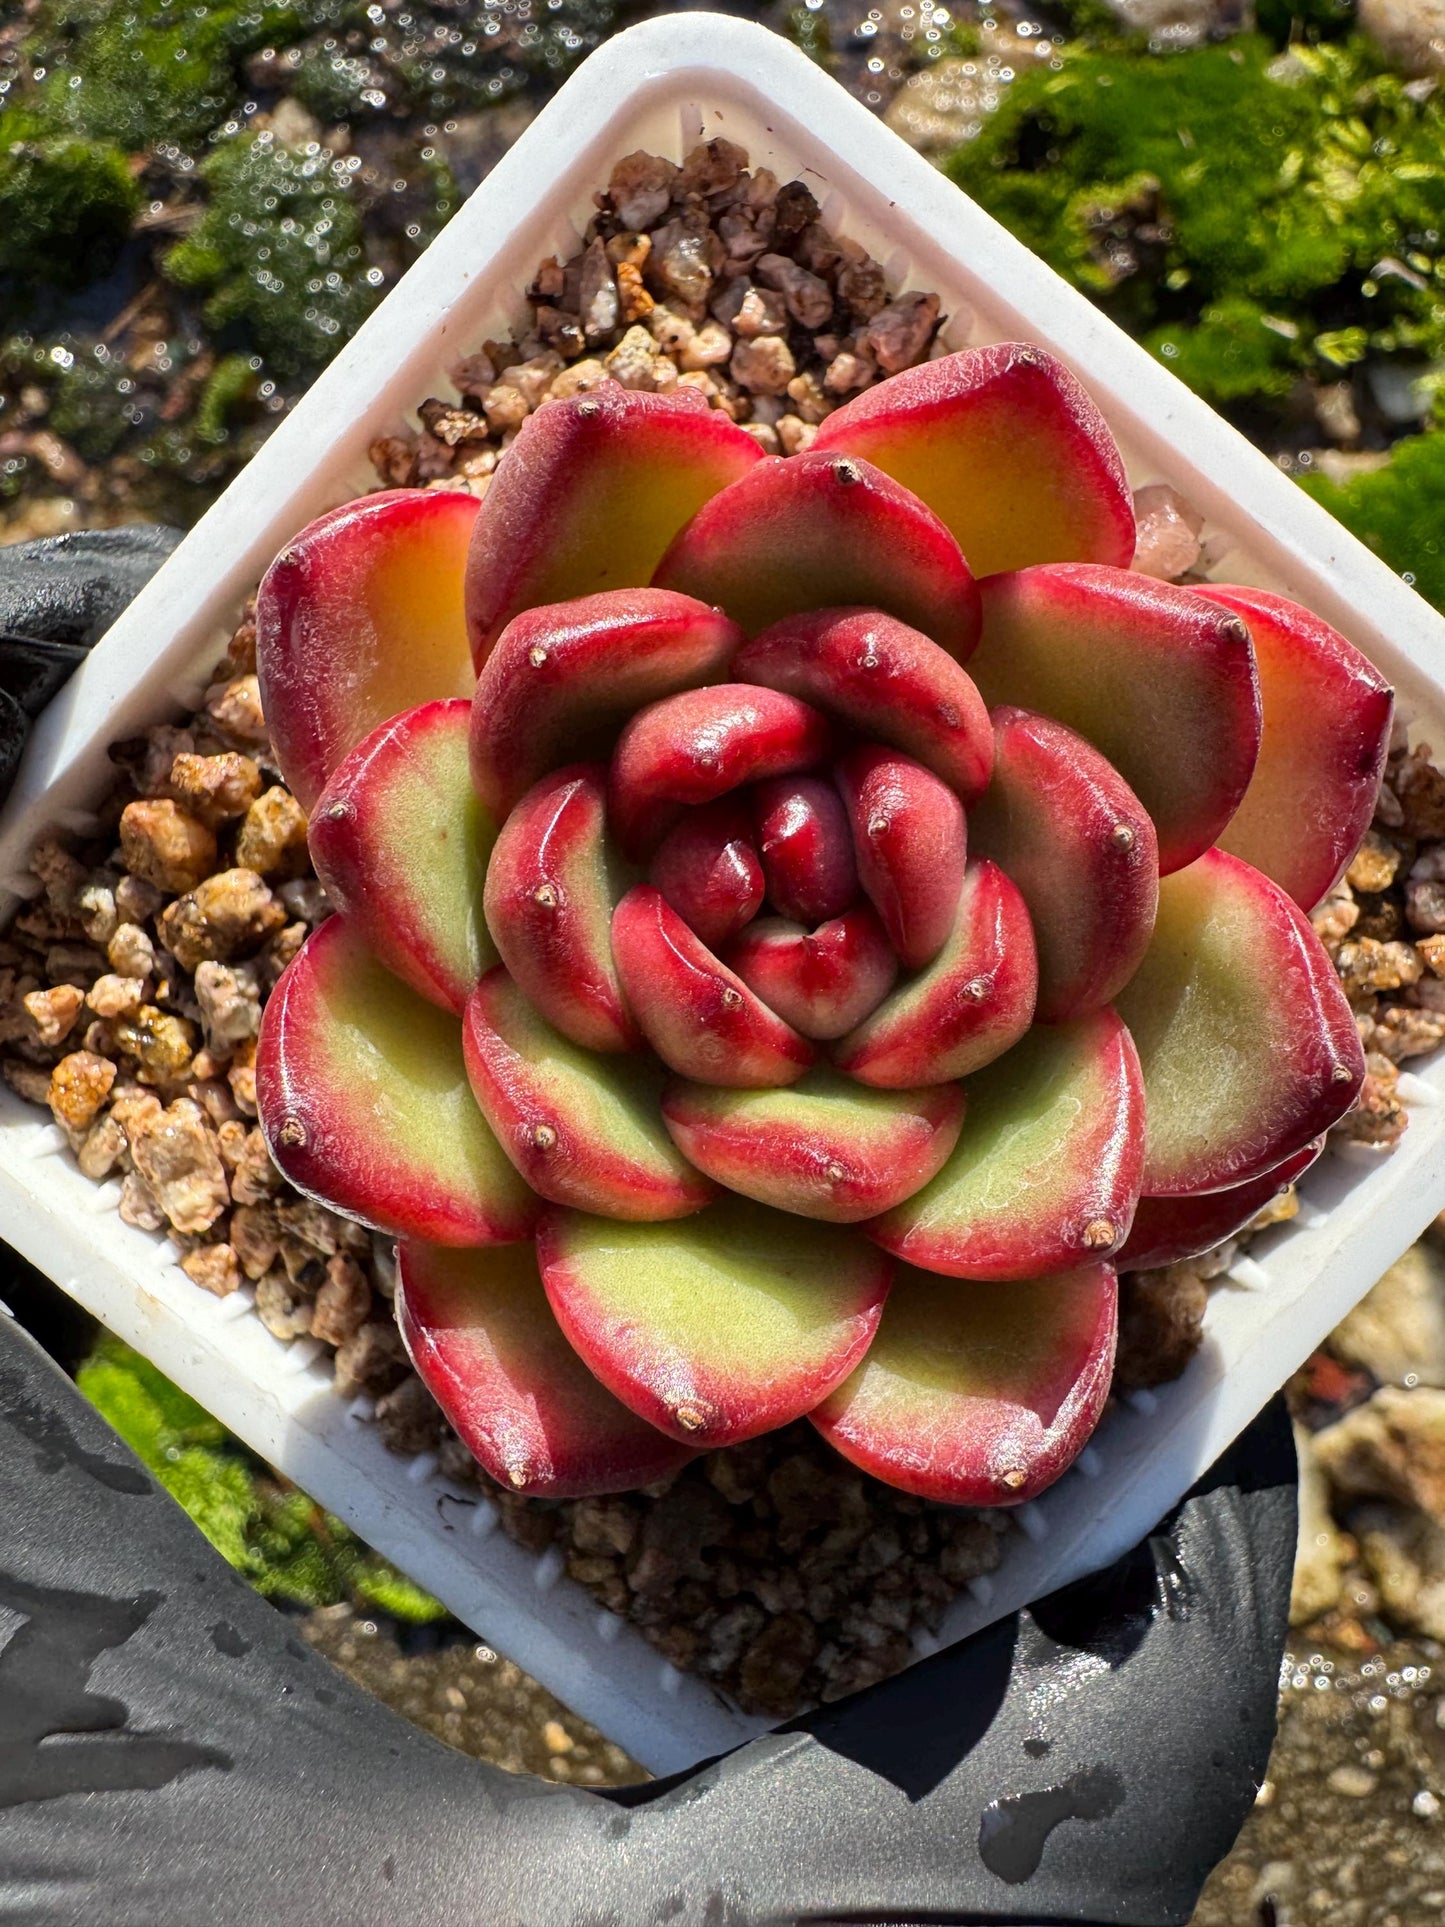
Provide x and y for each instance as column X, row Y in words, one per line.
column 1234, row 352
column 147, row 71
column 230, row 386
column 91, row 402
column 66, row 206
column 280, row 1540
column 277, row 253
column 1289, row 21
column 177, row 1440
column 1399, row 511
column 1211, row 199
column 335, row 87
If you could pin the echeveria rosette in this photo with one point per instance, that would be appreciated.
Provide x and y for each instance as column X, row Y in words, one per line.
column 783, row 970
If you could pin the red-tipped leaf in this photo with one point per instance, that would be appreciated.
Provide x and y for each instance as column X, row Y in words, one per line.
column 1005, row 445
column 979, row 1394
column 364, row 1101
column 483, row 1339
column 732, row 1324
column 358, row 618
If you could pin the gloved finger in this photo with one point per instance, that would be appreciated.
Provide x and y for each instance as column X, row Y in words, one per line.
column 59, row 595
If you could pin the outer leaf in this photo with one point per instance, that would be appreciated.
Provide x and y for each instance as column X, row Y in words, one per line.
column 1046, row 1173
column 363, row 1098
column 359, row 617
column 589, row 496
column 482, row 1337
column 1158, row 680
column 401, row 841
column 1076, row 840
column 1007, row 447
column 718, row 1329
column 825, row 1147
column 1168, row 1230
column 974, row 1001
column 1248, row 1047
column 979, row 1394
column 563, row 679
column 583, row 1129
column 817, row 531
column 1327, row 715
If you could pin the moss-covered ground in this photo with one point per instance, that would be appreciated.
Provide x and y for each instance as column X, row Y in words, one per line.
column 1266, row 215
column 281, row 1541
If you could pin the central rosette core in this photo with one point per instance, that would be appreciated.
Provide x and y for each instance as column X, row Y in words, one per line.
column 763, row 883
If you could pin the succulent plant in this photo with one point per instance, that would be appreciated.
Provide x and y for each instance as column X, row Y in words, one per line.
column 772, row 896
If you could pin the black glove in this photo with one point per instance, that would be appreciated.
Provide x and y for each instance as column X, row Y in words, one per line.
column 57, row 597
column 171, row 1755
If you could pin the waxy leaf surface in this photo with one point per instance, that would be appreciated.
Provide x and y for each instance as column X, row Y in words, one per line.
column 552, row 885
column 1160, row 681
column 563, row 679
column 700, row 1017
column 818, row 531
column 1327, row 713
column 806, row 846
column 979, row 1394
column 821, row 981
column 912, row 847
column 690, row 748
column 1066, row 827
column 583, row 1129
column 826, row 1147
column 884, row 679
column 1004, row 444
column 1168, row 1230
column 1248, row 1046
column 589, row 496
column 709, row 869
column 1047, row 1169
column 359, row 618
column 972, row 1003
column 479, row 1331
column 401, row 840
column 718, row 1329
column 364, row 1101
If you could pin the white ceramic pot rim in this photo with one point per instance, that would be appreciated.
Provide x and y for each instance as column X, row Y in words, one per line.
column 661, row 86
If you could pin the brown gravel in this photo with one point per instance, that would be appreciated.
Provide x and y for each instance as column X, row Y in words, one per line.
column 1383, row 925
column 469, row 1697
column 131, row 988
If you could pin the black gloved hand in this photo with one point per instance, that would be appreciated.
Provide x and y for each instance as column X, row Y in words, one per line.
column 57, row 597
column 172, row 1756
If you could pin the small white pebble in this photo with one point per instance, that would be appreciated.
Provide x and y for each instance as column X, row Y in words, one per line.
column 1354, row 1782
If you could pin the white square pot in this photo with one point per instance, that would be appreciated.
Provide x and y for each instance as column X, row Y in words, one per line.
column 662, row 86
